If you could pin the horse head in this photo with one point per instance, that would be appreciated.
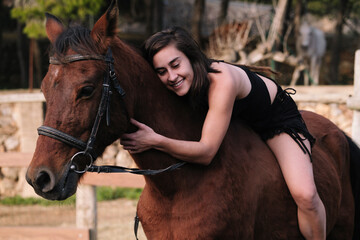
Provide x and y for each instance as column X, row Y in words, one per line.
column 73, row 89
column 306, row 32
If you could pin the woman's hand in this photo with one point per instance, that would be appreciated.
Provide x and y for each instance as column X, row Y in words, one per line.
column 141, row 140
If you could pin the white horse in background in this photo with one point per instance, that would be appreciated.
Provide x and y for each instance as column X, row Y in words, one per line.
column 311, row 46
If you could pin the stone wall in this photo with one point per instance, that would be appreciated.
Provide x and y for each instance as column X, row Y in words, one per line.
column 9, row 142
column 22, row 113
column 328, row 101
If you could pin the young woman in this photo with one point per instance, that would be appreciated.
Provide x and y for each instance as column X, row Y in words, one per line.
column 233, row 91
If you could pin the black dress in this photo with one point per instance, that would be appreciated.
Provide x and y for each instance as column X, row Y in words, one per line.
column 269, row 119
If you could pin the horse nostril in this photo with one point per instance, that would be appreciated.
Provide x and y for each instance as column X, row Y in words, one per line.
column 45, row 181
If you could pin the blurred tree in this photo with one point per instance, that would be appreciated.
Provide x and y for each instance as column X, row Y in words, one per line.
column 198, row 12
column 32, row 14
column 276, row 28
column 224, row 5
column 154, row 14
column 300, row 8
column 1, row 25
column 336, row 41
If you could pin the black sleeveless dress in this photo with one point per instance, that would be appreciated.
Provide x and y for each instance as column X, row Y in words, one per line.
column 269, row 119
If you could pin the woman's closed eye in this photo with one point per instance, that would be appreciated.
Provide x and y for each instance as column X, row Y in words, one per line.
column 161, row 72
column 175, row 66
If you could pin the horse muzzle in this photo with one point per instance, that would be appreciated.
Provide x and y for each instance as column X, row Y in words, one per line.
column 47, row 185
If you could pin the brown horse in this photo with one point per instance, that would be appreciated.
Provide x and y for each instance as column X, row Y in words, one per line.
column 240, row 195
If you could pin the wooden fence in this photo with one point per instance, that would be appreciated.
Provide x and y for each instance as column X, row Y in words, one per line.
column 86, row 211
column 354, row 101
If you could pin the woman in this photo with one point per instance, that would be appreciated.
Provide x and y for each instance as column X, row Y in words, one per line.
column 232, row 91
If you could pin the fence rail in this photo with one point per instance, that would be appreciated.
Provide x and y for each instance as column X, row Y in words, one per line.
column 42, row 233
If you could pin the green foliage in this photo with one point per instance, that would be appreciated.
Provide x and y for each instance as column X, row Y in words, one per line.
column 35, row 201
column 32, row 13
column 109, row 193
column 331, row 7
column 102, row 194
column 322, row 7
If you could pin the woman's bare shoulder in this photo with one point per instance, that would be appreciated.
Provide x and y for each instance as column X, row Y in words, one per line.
column 232, row 77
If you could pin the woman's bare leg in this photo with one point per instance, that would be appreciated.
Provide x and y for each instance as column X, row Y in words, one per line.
column 298, row 173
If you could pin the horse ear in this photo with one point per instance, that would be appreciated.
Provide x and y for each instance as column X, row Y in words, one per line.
column 105, row 28
column 54, row 27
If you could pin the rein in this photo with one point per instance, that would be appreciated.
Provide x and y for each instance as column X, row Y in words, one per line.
column 86, row 154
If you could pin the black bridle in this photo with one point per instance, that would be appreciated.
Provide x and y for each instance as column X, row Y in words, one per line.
column 86, row 153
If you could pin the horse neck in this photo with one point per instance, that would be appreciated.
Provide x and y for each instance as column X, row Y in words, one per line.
column 149, row 102
column 147, row 99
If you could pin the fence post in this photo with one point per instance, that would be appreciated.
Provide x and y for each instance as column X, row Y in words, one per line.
column 86, row 209
column 354, row 101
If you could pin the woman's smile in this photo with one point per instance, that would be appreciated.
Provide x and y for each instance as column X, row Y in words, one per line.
column 177, row 83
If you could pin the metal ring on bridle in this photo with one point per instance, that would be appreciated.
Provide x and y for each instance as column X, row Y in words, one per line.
column 73, row 163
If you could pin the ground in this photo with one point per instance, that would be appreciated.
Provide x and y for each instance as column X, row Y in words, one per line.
column 115, row 218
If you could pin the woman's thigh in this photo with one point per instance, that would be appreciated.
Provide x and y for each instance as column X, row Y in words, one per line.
column 295, row 165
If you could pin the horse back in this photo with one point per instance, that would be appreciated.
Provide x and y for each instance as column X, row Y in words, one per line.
column 235, row 197
column 242, row 193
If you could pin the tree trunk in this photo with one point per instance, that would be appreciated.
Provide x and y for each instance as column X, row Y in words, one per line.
column 336, row 43
column 21, row 58
column 277, row 24
column 300, row 8
column 198, row 13
column 149, row 16
column 154, row 13
column 158, row 15
column 37, row 64
column 223, row 11
column 286, row 24
column 1, row 25
column 31, row 64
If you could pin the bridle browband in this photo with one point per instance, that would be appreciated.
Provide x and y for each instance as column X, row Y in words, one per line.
column 75, row 58
column 86, row 149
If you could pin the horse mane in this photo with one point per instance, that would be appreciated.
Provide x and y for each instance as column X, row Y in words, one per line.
column 76, row 38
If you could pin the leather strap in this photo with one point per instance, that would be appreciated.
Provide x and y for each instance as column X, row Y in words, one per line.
column 61, row 136
column 75, row 58
column 119, row 169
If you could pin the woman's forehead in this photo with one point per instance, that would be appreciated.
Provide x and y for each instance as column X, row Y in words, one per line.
column 167, row 55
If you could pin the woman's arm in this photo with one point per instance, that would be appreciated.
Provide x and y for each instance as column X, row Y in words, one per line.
column 222, row 94
column 145, row 138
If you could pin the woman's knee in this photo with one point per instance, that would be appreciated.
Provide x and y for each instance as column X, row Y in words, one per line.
column 307, row 199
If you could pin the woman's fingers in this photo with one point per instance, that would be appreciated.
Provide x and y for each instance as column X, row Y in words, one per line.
column 136, row 123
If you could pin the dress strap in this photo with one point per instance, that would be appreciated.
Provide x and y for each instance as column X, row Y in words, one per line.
column 299, row 140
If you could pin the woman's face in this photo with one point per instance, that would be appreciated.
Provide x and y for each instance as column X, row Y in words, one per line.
column 174, row 69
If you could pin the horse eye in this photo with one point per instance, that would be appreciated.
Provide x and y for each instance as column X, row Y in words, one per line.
column 86, row 92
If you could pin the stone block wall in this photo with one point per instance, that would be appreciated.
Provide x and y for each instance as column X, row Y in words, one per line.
column 9, row 142
column 338, row 113
column 20, row 115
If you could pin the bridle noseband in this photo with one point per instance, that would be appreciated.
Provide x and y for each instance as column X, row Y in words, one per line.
column 86, row 152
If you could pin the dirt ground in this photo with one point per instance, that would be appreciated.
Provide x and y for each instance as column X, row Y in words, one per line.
column 115, row 218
